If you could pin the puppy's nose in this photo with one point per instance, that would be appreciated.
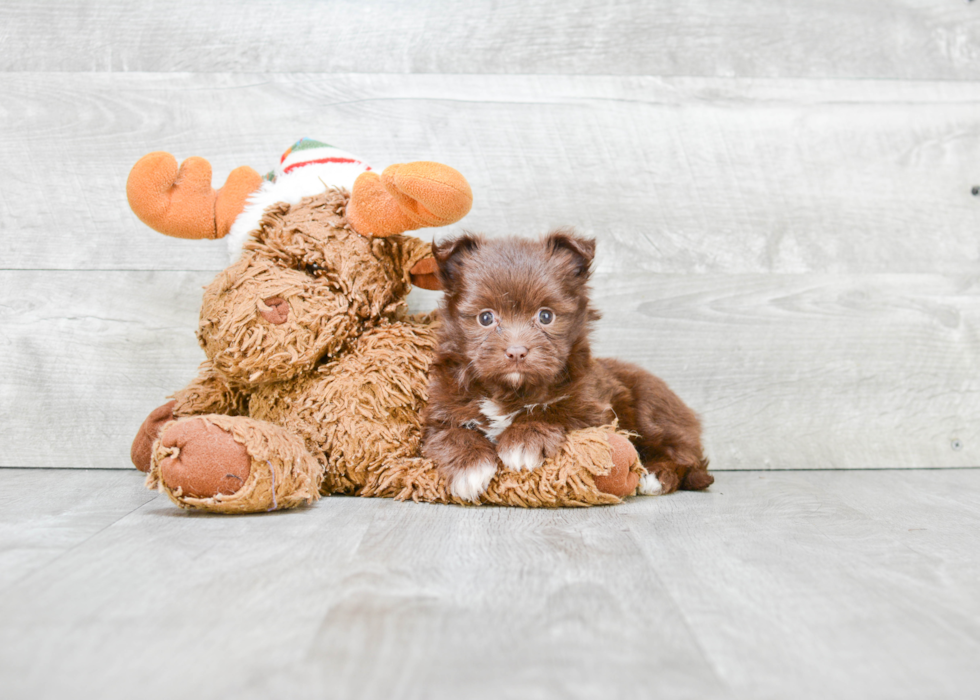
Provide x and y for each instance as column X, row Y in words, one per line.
column 516, row 352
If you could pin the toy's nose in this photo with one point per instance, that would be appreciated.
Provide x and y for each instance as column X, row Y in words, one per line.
column 516, row 353
column 274, row 309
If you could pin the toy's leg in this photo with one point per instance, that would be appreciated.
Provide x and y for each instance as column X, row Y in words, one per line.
column 233, row 464
column 595, row 466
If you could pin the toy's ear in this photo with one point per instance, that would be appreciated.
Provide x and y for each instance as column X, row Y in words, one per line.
column 425, row 274
column 450, row 256
column 181, row 202
column 580, row 250
column 406, row 197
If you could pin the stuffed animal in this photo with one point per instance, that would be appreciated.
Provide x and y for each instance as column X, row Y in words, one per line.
column 315, row 372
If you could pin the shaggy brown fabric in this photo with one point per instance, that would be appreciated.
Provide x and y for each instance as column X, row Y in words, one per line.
column 335, row 283
column 363, row 408
column 313, row 237
column 568, row 479
column 209, row 393
column 245, row 348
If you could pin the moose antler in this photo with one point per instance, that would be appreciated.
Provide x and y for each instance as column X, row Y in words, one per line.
column 408, row 196
column 181, row 202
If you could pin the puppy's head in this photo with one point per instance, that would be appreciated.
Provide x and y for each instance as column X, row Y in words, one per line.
column 515, row 310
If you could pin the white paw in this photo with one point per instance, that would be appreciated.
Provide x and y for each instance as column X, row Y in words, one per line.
column 519, row 458
column 650, row 485
column 471, row 483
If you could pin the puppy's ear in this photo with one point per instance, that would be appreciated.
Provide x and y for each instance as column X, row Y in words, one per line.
column 450, row 255
column 582, row 250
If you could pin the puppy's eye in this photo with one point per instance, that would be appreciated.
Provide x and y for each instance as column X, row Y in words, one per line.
column 486, row 318
column 546, row 316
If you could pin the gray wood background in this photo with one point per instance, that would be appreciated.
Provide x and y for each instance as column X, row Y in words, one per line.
column 781, row 192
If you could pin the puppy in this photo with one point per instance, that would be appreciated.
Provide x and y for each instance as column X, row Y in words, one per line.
column 513, row 371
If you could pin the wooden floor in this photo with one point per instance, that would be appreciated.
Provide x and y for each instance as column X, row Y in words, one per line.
column 833, row 584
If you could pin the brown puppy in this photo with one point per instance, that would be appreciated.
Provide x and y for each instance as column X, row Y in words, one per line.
column 513, row 371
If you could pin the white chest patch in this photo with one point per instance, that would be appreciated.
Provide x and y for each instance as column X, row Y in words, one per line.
column 497, row 419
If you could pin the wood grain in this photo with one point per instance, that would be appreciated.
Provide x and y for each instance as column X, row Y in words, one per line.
column 797, row 584
column 544, row 606
column 782, row 199
column 781, row 196
column 907, row 39
column 787, row 371
column 86, row 356
column 46, row 514
column 810, row 371
column 680, row 175
column 828, row 579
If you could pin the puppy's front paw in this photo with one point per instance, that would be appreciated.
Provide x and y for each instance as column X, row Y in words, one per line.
column 520, row 457
column 465, row 457
column 527, row 445
column 471, row 483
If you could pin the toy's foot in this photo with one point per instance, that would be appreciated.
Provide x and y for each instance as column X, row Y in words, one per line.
column 205, row 460
column 233, row 464
column 620, row 481
column 143, row 444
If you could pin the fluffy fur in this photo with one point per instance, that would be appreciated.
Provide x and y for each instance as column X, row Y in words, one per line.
column 514, row 372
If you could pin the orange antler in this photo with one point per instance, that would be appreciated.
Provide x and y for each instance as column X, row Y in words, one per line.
column 406, row 197
column 181, row 202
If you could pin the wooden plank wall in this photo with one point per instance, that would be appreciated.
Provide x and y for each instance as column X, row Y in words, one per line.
column 781, row 193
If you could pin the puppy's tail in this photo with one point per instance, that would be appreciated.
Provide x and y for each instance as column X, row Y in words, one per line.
column 698, row 478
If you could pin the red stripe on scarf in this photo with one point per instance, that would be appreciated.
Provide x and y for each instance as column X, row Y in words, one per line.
column 320, row 160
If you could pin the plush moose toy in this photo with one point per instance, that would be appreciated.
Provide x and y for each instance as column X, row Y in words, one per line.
column 315, row 372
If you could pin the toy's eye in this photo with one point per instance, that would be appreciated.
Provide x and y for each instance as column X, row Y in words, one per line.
column 546, row 316
column 486, row 318
column 313, row 269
